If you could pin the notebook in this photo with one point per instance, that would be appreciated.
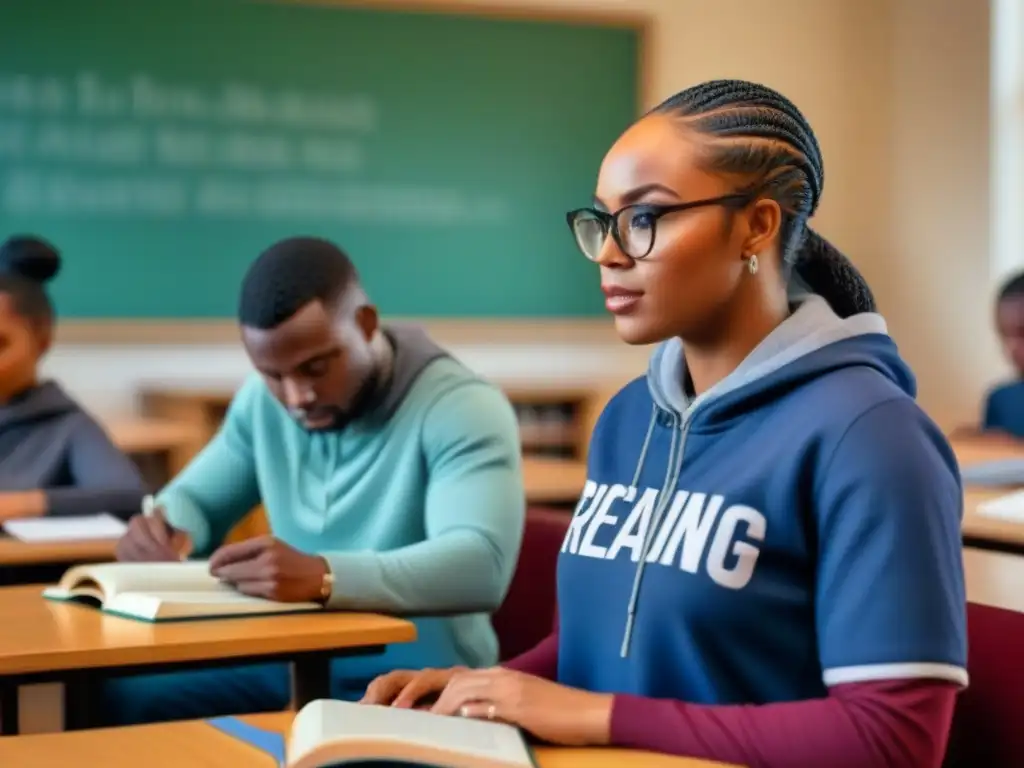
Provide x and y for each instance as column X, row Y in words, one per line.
column 162, row 592
column 43, row 529
column 327, row 733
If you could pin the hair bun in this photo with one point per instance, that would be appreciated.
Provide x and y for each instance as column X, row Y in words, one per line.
column 31, row 258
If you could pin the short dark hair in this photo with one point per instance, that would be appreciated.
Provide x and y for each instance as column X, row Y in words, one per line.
column 27, row 263
column 289, row 275
column 756, row 132
column 1012, row 288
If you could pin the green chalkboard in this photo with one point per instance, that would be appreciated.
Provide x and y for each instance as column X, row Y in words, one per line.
column 163, row 144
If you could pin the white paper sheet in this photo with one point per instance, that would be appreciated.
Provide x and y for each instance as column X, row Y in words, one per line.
column 1009, row 507
column 41, row 529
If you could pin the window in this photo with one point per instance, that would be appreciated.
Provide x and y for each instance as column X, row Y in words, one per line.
column 1007, row 133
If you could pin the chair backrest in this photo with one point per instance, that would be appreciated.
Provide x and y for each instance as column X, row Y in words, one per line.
column 528, row 613
column 988, row 723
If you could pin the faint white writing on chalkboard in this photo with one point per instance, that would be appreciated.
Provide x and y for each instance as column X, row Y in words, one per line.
column 144, row 96
column 25, row 191
column 145, row 146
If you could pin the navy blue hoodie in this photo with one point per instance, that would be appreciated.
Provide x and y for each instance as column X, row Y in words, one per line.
column 48, row 443
column 796, row 526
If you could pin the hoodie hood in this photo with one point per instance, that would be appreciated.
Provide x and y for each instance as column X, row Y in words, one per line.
column 810, row 342
column 37, row 404
column 411, row 351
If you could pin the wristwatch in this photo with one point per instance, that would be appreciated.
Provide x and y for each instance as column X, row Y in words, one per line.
column 327, row 585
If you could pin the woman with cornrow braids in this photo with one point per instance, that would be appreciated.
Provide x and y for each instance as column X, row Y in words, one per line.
column 764, row 568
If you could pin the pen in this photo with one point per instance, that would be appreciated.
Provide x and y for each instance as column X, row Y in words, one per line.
column 148, row 510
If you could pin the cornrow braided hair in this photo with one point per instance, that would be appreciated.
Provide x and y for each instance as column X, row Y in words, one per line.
column 756, row 132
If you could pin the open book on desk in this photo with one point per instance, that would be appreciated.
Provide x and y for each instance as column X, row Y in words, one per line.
column 162, row 592
column 328, row 734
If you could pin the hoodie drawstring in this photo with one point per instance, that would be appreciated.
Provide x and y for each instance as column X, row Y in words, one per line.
column 672, row 472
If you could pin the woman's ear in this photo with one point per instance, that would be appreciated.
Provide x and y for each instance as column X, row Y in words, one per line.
column 764, row 223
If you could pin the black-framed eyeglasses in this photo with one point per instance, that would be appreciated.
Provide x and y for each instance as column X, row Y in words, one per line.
column 634, row 227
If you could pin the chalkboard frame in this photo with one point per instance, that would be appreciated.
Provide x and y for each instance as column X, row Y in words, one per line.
column 457, row 330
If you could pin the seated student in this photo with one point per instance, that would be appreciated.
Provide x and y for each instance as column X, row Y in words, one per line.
column 764, row 568
column 390, row 473
column 1004, row 405
column 54, row 458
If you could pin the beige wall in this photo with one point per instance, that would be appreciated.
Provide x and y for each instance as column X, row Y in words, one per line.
column 897, row 91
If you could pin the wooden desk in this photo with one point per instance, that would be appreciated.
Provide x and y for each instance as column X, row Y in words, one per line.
column 20, row 553
column 198, row 745
column 979, row 530
column 976, row 449
column 991, row 532
column 553, row 481
column 45, row 641
column 172, row 443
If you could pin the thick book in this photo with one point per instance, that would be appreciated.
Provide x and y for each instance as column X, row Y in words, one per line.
column 162, row 592
column 329, row 733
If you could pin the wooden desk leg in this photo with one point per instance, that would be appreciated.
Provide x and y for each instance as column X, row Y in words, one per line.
column 311, row 679
column 9, row 725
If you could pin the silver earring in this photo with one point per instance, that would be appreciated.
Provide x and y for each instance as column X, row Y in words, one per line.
column 752, row 264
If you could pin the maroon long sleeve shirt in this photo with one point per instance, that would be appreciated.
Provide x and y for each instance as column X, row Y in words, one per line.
column 887, row 723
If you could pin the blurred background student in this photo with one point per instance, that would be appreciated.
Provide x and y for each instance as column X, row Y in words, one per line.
column 1004, row 404
column 54, row 458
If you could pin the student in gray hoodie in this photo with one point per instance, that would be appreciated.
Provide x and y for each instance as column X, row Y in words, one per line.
column 54, row 458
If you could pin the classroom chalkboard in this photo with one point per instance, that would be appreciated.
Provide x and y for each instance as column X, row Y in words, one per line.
column 163, row 144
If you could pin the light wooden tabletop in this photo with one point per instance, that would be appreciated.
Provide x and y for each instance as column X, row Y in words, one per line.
column 145, row 435
column 41, row 635
column 973, row 450
column 14, row 552
column 553, row 480
column 979, row 448
column 198, row 745
column 984, row 528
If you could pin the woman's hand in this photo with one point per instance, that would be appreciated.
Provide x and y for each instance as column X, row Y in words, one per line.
column 551, row 712
column 407, row 688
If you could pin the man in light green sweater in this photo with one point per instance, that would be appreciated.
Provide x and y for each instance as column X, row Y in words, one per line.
column 390, row 474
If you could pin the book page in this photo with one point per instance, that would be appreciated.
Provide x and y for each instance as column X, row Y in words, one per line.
column 187, row 605
column 115, row 578
column 325, row 721
column 1009, row 507
column 88, row 528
